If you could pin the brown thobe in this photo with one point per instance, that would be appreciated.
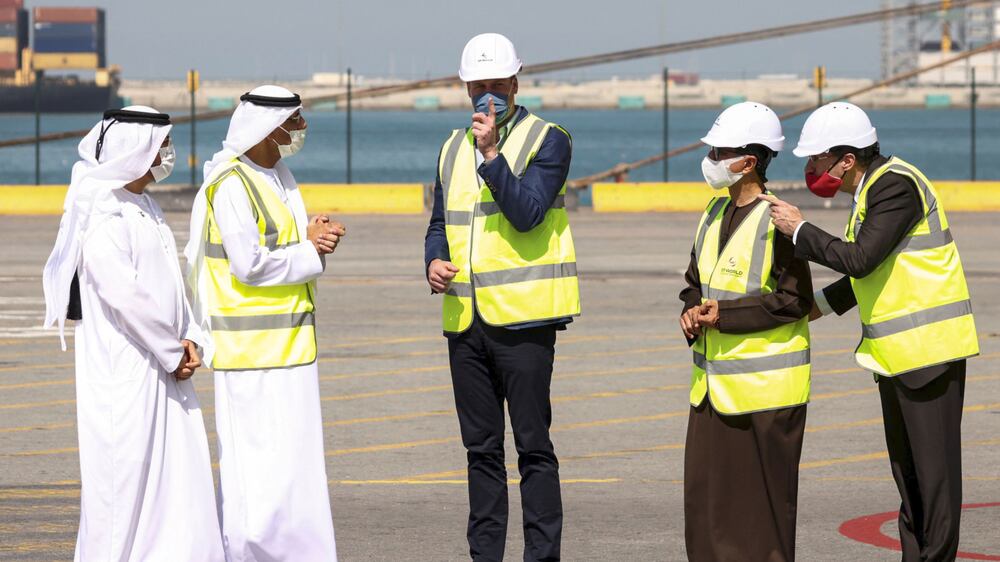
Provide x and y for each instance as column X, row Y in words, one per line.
column 741, row 471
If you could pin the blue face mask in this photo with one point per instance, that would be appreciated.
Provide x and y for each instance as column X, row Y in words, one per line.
column 482, row 104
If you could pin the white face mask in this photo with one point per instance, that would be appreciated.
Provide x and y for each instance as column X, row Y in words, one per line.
column 717, row 174
column 167, row 158
column 298, row 140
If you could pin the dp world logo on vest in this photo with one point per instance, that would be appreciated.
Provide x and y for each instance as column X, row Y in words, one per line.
column 732, row 269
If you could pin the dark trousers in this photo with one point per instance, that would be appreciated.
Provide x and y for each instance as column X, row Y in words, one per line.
column 923, row 432
column 741, row 484
column 490, row 365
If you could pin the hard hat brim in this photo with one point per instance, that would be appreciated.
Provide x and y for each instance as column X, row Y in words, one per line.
column 806, row 152
column 468, row 76
column 859, row 142
column 719, row 142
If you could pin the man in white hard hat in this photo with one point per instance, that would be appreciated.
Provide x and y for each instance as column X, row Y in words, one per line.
column 901, row 268
column 146, row 475
column 499, row 250
column 254, row 258
column 746, row 308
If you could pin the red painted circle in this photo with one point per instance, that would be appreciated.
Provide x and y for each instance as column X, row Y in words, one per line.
column 868, row 529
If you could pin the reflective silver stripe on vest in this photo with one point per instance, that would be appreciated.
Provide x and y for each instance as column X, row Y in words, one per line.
column 213, row 250
column 699, row 240
column 933, row 219
column 460, row 290
column 521, row 162
column 263, row 322
column 217, row 251
column 752, row 365
column 916, row 320
column 755, row 274
column 270, row 228
column 720, row 295
column 488, row 208
column 522, row 274
column 932, row 216
column 448, row 166
column 458, row 218
column 925, row 242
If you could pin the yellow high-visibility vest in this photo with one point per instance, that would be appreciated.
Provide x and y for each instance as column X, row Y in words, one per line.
column 758, row 371
column 509, row 277
column 256, row 327
column 915, row 308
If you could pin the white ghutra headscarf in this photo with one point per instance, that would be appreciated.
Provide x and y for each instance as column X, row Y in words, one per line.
column 251, row 123
column 127, row 152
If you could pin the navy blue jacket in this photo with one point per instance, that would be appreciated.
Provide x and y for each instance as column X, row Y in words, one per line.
column 523, row 201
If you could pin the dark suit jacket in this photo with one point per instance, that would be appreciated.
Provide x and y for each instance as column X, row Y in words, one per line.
column 894, row 209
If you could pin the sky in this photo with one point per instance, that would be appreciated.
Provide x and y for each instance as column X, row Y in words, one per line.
column 292, row 39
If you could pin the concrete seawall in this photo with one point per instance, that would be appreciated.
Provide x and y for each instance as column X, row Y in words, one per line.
column 779, row 91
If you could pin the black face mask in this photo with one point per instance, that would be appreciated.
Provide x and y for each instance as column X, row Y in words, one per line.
column 126, row 116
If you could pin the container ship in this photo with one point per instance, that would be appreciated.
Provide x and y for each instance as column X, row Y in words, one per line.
column 63, row 68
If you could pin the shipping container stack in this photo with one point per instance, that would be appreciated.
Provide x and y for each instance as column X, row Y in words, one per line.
column 13, row 35
column 69, row 38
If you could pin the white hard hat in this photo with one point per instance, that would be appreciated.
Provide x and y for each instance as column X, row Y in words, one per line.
column 835, row 124
column 488, row 56
column 746, row 123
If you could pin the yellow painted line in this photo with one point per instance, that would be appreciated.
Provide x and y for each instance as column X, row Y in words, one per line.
column 44, row 452
column 330, row 378
column 844, row 460
column 878, row 420
column 398, row 417
column 29, row 405
column 37, row 427
column 890, row 479
column 36, row 547
column 39, row 384
column 679, row 413
column 510, row 481
column 448, row 473
column 881, row 455
column 30, row 367
column 616, row 393
column 19, row 493
column 384, row 373
column 619, row 421
column 390, row 392
column 40, row 526
column 34, row 353
column 572, row 398
column 392, row 446
column 457, row 439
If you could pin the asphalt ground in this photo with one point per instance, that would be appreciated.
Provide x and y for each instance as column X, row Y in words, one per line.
column 395, row 462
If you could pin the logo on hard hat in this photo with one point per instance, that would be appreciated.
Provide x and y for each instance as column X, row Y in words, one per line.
column 484, row 58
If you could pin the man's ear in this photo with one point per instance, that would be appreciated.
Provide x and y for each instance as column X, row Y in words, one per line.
column 513, row 90
column 749, row 164
column 849, row 160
